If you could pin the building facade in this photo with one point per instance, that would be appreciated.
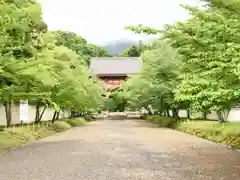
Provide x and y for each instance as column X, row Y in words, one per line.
column 112, row 71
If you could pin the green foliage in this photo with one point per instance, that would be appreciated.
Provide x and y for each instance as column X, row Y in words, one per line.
column 162, row 121
column 135, row 50
column 116, row 101
column 79, row 45
column 153, row 87
column 88, row 118
column 210, row 81
column 205, row 52
column 77, row 122
column 139, row 29
column 227, row 133
column 17, row 136
column 19, row 33
column 59, row 126
column 47, row 67
column 96, row 51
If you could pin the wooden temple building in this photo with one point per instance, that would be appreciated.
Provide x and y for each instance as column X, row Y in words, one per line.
column 114, row 70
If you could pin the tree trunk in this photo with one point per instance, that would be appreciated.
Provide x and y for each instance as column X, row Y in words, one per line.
column 175, row 113
column 148, row 110
column 220, row 117
column 167, row 112
column 57, row 115
column 37, row 114
column 41, row 115
column 204, row 115
column 8, row 112
column 188, row 113
column 72, row 114
column 164, row 113
column 223, row 115
column 54, row 116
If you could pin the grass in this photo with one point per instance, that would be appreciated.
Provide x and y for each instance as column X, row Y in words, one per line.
column 226, row 133
column 14, row 137
column 60, row 126
column 88, row 118
column 167, row 122
column 77, row 122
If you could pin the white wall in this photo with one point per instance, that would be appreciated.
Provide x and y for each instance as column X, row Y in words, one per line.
column 31, row 114
column 233, row 116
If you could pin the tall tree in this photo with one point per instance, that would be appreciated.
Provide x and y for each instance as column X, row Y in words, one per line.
column 80, row 45
column 209, row 45
column 35, row 67
column 20, row 34
column 135, row 50
column 153, row 88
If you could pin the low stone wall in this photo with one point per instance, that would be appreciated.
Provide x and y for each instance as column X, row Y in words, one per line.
column 31, row 114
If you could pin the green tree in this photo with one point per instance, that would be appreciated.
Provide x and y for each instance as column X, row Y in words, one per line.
column 135, row 50
column 96, row 51
column 153, row 88
column 80, row 46
column 209, row 45
column 36, row 67
column 20, row 36
column 209, row 41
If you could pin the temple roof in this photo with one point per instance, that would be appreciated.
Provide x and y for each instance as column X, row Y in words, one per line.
column 115, row 65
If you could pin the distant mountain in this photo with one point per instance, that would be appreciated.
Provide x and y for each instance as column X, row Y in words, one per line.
column 118, row 46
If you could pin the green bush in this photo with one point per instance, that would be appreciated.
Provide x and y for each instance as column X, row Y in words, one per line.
column 162, row 121
column 77, row 122
column 88, row 118
column 59, row 126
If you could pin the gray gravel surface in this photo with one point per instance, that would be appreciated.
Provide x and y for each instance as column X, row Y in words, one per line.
column 118, row 150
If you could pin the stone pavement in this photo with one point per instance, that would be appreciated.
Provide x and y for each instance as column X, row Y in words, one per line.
column 118, row 150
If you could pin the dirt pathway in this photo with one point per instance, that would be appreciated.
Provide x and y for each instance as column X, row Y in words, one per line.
column 118, row 150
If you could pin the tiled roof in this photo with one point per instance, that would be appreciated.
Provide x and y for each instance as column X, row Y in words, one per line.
column 115, row 65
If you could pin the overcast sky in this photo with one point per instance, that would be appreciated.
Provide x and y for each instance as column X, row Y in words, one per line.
column 100, row 21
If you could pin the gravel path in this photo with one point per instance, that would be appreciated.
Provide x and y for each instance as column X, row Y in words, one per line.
column 118, row 150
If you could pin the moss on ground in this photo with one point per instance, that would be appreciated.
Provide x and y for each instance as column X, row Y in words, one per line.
column 14, row 137
column 225, row 133
column 77, row 122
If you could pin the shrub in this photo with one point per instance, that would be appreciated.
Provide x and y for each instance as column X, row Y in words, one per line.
column 162, row 121
column 144, row 116
column 88, row 118
column 59, row 126
column 77, row 122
